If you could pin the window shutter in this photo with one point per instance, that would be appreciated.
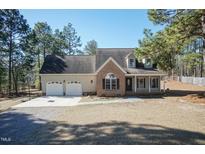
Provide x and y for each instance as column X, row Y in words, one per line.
column 144, row 82
column 103, row 83
column 118, row 84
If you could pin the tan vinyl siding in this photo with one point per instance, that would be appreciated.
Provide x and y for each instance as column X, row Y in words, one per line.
column 85, row 80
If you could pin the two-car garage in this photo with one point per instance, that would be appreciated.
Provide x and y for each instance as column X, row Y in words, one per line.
column 68, row 75
column 68, row 85
column 69, row 88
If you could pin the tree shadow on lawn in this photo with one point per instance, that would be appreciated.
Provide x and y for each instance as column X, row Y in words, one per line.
column 23, row 128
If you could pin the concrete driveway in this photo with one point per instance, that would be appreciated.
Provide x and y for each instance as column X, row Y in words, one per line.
column 60, row 101
column 50, row 101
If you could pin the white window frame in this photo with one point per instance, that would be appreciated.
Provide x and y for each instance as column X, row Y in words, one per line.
column 157, row 83
column 148, row 61
column 148, row 64
column 131, row 64
column 110, row 79
column 141, row 86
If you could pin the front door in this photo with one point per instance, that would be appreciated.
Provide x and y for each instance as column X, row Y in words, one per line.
column 128, row 84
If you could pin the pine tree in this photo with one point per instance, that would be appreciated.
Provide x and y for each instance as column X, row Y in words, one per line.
column 13, row 30
column 91, row 47
column 189, row 23
column 72, row 40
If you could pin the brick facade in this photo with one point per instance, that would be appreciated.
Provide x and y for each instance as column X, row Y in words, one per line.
column 110, row 67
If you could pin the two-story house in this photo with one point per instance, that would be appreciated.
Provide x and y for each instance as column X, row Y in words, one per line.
column 111, row 72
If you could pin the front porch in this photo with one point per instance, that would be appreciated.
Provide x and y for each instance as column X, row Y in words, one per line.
column 143, row 84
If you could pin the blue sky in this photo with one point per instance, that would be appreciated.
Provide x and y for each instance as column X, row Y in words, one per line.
column 110, row 28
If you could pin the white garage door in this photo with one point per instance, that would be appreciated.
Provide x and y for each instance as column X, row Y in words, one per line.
column 54, row 88
column 73, row 88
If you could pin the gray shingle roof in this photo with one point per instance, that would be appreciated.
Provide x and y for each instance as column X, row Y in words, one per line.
column 68, row 64
column 118, row 54
column 142, row 71
column 89, row 64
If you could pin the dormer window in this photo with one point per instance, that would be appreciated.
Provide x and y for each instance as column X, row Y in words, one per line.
column 131, row 63
column 131, row 60
column 147, row 63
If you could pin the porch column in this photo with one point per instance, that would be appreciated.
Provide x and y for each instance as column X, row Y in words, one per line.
column 149, row 84
column 135, row 84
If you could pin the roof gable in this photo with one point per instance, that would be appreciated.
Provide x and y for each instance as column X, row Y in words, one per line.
column 118, row 54
column 108, row 60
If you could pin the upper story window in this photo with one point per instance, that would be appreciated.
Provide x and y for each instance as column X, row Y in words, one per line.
column 131, row 62
column 147, row 63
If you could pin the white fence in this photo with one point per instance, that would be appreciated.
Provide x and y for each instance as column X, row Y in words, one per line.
column 193, row 80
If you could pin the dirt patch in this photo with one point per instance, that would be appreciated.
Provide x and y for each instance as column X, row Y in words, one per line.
column 195, row 98
column 7, row 102
column 187, row 92
column 175, row 85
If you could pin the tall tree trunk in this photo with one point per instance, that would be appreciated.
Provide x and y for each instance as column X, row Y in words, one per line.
column 39, row 67
column 203, row 45
column 15, row 81
column 10, row 62
column 195, row 75
column 1, row 85
column 202, row 66
column 202, row 59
